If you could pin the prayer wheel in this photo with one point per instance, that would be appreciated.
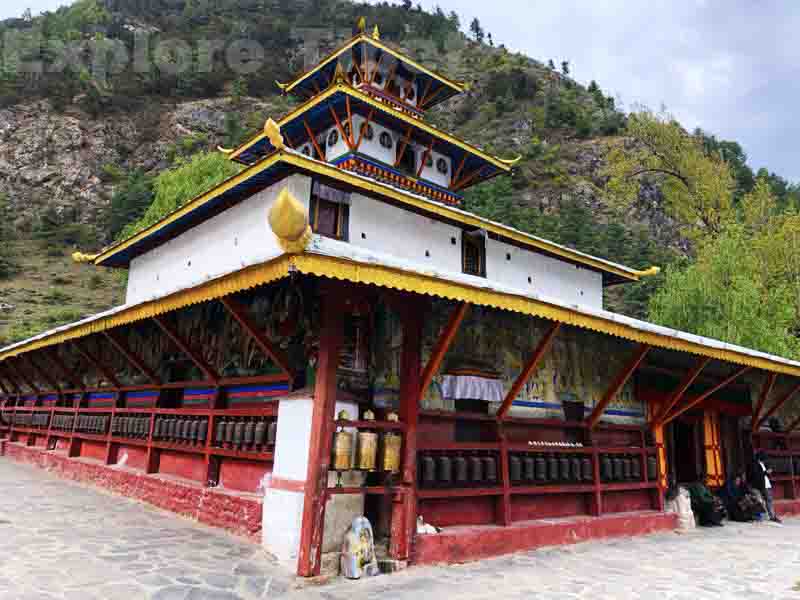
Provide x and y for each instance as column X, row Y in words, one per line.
column 260, row 434
column 606, row 468
column 445, row 470
column 541, row 469
column 194, row 428
column 627, row 468
column 476, row 469
column 183, row 436
column 575, row 464
column 342, row 450
column 619, row 469
column 238, row 434
column 587, row 471
column 230, row 425
column 652, row 468
column 490, row 468
column 157, row 428
column 529, row 467
column 514, row 469
column 272, row 433
column 460, row 469
column 428, row 471
column 636, row 469
column 367, row 450
column 391, row 447
column 219, row 432
column 552, row 468
column 202, row 431
column 249, row 433
column 563, row 468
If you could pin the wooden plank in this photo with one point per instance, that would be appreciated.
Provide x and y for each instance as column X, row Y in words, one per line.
column 184, row 347
column 457, row 172
column 619, row 381
column 786, row 397
column 133, row 358
column 529, row 369
column 313, row 139
column 402, row 149
column 340, row 127
column 364, row 125
column 313, row 518
column 350, row 122
column 425, row 157
column 690, row 405
column 239, row 313
column 98, row 364
column 684, row 385
column 442, row 345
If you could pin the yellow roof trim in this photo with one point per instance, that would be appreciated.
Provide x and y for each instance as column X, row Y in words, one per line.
column 363, row 37
column 223, row 286
column 372, row 274
column 504, row 165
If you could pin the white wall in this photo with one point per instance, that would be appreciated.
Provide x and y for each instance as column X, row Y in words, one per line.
column 236, row 238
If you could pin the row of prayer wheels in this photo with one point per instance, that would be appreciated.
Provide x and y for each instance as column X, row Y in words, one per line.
column 63, row 422
column 249, row 434
column 623, row 467
column 40, row 420
column 131, row 426
column 96, row 424
column 449, row 469
column 550, row 468
column 181, row 429
column 23, row 419
column 365, row 449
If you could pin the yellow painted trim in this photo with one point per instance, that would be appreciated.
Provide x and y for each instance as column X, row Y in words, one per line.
column 503, row 165
column 230, row 284
column 372, row 274
column 363, row 37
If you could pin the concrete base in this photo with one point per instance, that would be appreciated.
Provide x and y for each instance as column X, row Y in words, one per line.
column 235, row 512
column 462, row 544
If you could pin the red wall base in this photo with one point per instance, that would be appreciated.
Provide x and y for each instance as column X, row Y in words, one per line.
column 787, row 508
column 240, row 514
column 460, row 544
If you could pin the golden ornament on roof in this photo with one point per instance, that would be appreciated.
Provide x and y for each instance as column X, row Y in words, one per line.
column 80, row 257
column 362, row 25
column 288, row 219
column 273, row 132
column 376, row 33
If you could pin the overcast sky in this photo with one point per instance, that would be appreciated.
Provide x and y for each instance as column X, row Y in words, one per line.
column 728, row 66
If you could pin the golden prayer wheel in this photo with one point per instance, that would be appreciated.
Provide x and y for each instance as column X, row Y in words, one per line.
column 367, row 448
column 342, row 447
column 391, row 447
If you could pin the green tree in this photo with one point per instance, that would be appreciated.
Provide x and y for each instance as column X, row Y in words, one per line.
column 476, row 30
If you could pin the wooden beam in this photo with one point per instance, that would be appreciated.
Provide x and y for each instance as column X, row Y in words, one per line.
column 313, row 139
column 684, row 385
column 457, row 172
column 22, row 376
column 239, row 313
column 350, row 122
column 47, row 377
column 364, row 125
column 68, row 375
column 793, row 426
column 768, row 385
column 619, row 381
column 184, row 347
column 430, row 98
column 322, row 420
column 425, row 93
column 9, row 377
column 133, row 358
column 425, row 157
column 466, row 180
column 691, row 404
column 376, row 69
column 98, row 364
column 401, row 150
column 529, row 369
column 4, row 389
column 777, row 405
column 339, row 126
column 442, row 345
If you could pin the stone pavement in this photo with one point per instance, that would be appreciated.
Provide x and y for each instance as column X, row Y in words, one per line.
column 59, row 539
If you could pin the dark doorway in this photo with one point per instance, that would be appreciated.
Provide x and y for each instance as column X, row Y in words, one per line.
column 686, row 445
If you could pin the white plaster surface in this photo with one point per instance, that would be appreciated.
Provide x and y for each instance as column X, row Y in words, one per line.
column 281, row 521
column 236, row 238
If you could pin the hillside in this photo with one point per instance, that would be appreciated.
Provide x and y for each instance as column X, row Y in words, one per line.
column 79, row 152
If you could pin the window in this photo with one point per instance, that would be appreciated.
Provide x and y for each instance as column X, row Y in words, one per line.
column 473, row 252
column 441, row 166
column 330, row 211
column 367, row 131
column 386, row 140
column 333, row 138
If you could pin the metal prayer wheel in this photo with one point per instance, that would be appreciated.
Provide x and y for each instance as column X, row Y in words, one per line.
column 529, row 468
column 587, row 470
column 157, row 428
column 652, row 468
column 249, row 433
column 194, row 430
column 490, row 468
column 238, row 434
column 541, row 469
column 627, row 468
column 460, row 469
column 260, row 433
column 202, row 431
column 219, row 432
column 182, row 424
column 514, row 468
column 445, row 470
column 342, row 450
column 552, row 468
column 428, row 471
column 367, row 450
column 575, row 469
column 619, row 469
column 606, row 468
column 563, row 468
column 636, row 469
column 272, row 433
column 476, row 469
column 229, row 427
column 391, row 447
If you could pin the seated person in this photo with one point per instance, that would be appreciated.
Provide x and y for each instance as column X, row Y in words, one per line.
column 708, row 509
column 740, row 503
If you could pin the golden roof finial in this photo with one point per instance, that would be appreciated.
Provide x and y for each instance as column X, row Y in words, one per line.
column 376, row 33
column 273, row 132
column 362, row 25
column 282, row 86
column 510, row 161
column 288, row 219
column 339, row 76
column 80, row 257
column 225, row 150
column 649, row 272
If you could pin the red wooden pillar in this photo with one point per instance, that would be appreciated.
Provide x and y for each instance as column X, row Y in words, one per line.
column 404, row 509
column 331, row 335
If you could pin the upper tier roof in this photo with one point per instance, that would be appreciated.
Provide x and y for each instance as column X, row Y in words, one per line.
column 437, row 88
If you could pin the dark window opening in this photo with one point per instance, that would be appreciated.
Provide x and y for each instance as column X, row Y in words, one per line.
column 473, row 252
column 408, row 162
column 330, row 212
